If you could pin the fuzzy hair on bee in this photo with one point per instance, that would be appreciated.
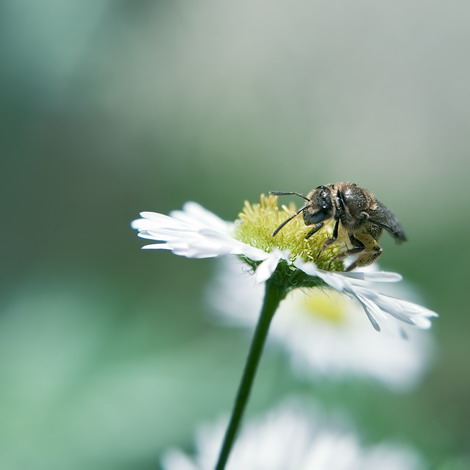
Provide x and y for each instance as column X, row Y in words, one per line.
column 355, row 210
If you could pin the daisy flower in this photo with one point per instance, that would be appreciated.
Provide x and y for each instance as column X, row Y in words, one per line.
column 294, row 261
column 293, row 437
column 283, row 263
column 324, row 331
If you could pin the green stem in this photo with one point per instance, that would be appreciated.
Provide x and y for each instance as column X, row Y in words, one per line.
column 273, row 295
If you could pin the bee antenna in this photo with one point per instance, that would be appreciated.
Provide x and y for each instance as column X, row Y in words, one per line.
column 288, row 220
column 287, row 193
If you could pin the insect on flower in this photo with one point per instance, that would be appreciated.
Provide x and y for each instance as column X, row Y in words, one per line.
column 195, row 232
column 359, row 219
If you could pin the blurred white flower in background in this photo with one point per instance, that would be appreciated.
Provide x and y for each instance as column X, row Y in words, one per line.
column 293, row 436
column 324, row 331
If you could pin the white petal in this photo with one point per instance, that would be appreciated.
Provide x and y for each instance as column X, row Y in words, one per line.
column 194, row 214
column 153, row 221
column 156, row 246
column 375, row 276
column 405, row 311
column 234, row 247
column 164, row 234
column 308, row 268
column 371, row 310
column 265, row 270
column 337, row 281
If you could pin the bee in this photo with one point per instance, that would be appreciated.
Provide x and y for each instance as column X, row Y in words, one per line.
column 356, row 210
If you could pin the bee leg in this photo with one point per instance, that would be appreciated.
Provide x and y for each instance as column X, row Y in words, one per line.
column 331, row 240
column 358, row 247
column 314, row 230
column 365, row 259
column 368, row 249
column 334, row 237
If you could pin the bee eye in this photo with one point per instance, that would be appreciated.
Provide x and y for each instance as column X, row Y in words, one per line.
column 319, row 217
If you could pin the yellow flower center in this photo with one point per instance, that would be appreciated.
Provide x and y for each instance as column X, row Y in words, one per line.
column 328, row 305
column 257, row 223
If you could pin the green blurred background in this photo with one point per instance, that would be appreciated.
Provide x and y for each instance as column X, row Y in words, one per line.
column 107, row 353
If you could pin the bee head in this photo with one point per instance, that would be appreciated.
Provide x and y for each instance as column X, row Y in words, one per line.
column 321, row 206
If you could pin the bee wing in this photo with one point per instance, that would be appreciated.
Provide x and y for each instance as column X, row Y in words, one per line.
column 385, row 218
